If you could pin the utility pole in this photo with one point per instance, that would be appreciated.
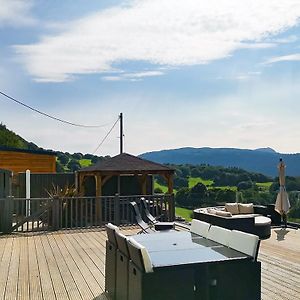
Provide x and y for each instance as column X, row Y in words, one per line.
column 121, row 133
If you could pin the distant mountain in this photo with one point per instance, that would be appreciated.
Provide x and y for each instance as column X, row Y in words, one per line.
column 263, row 160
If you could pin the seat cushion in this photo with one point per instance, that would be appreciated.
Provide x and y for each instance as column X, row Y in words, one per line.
column 233, row 208
column 261, row 221
column 223, row 213
column 246, row 208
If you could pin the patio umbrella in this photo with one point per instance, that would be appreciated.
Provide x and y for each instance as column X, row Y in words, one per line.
column 282, row 204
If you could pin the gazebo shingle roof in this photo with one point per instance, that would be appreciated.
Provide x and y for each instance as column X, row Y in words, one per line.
column 126, row 163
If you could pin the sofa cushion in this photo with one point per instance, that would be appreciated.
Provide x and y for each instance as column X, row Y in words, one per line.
column 223, row 213
column 233, row 208
column 211, row 211
column 261, row 221
column 246, row 208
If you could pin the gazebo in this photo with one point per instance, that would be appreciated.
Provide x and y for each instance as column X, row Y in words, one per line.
column 119, row 173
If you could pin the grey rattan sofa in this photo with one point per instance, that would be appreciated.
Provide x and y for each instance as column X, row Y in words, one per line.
column 253, row 219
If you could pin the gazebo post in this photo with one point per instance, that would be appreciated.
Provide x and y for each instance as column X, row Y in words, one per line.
column 170, row 183
column 144, row 184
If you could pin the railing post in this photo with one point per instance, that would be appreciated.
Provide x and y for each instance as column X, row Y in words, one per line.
column 7, row 215
column 117, row 209
column 55, row 213
column 172, row 207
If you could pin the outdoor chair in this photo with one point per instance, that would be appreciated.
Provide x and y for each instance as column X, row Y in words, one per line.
column 110, row 260
column 149, row 216
column 148, row 283
column 122, row 267
column 244, row 242
column 219, row 235
column 145, row 228
column 154, row 220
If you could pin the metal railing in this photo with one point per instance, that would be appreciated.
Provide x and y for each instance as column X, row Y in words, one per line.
column 45, row 214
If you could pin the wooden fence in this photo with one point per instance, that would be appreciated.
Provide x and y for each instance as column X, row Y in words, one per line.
column 44, row 214
column 42, row 183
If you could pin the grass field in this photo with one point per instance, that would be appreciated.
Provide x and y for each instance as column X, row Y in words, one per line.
column 85, row 162
column 194, row 180
column 162, row 187
column 264, row 186
column 184, row 213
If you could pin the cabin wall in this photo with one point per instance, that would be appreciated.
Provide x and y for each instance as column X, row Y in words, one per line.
column 20, row 162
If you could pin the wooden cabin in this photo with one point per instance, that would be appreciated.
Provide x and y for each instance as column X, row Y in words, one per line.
column 20, row 160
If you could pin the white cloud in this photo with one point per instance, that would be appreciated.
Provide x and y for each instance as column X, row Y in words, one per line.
column 16, row 13
column 137, row 76
column 291, row 57
column 161, row 32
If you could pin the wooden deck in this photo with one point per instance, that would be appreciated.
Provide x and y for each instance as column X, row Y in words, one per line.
column 70, row 265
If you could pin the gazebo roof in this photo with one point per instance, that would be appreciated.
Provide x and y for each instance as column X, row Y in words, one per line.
column 127, row 163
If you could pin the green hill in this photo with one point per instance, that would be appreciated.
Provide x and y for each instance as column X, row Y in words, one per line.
column 10, row 139
column 65, row 162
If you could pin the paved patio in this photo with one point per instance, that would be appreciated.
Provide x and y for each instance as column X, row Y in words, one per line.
column 71, row 264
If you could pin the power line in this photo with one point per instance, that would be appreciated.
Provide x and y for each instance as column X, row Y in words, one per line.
column 106, row 136
column 49, row 116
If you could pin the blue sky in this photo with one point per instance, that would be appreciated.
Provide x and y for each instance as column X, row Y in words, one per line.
column 184, row 73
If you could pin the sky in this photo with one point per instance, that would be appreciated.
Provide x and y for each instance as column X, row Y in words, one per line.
column 192, row 73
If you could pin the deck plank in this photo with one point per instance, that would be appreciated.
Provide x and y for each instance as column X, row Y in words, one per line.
column 56, row 278
column 79, row 279
column 23, row 284
column 35, row 288
column 13, row 271
column 48, row 289
column 71, row 265
column 66, row 275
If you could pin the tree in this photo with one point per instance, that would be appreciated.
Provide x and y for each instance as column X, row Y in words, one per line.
column 180, row 182
column 59, row 167
column 63, row 158
column 73, row 165
column 244, row 185
column 195, row 172
column 77, row 156
column 181, row 197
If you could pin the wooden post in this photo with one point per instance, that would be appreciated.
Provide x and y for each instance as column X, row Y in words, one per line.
column 121, row 133
column 144, row 184
column 55, row 213
column 117, row 209
column 172, row 208
column 7, row 215
column 98, row 199
column 170, row 183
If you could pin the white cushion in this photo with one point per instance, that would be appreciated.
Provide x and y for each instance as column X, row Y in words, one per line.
column 211, row 211
column 244, row 242
column 261, row 220
column 200, row 227
column 112, row 226
column 223, row 213
column 110, row 230
column 219, row 234
column 233, row 208
column 246, row 208
column 144, row 253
